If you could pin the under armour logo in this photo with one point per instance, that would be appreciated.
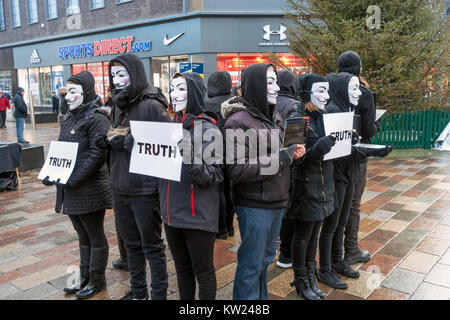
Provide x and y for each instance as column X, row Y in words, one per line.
column 269, row 32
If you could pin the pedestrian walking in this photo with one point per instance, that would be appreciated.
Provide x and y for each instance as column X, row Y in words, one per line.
column 4, row 105
column 20, row 113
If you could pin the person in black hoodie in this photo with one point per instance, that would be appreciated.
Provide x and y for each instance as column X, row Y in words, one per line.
column 287, row 103
column 219, row 90
column 190, row 207
column 350, row 62
column 87, row 194
column 135, row 196
column 260, row 189
column 344, row 94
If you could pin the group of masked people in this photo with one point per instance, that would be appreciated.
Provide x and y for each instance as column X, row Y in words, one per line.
column 309, row 193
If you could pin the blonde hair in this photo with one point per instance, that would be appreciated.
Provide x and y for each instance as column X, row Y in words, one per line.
column 310, row 107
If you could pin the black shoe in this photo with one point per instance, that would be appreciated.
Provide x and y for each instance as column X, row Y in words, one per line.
column 356, row 256
column 134, row 296
column 284, row 262
column 83, row 279
column 97, row 279
column 311, row 273
column 331, row 279
column 121, row 264
column 344, row 269
column 301, row 284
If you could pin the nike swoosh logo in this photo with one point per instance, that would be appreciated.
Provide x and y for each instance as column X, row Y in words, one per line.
column 169, row 41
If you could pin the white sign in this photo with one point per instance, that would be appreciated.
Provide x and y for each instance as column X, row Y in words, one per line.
column 379, row 114
column 60, row 161
column 341, row 126
column 155, row 151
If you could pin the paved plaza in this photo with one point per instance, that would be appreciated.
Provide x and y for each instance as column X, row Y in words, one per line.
column 405, row 224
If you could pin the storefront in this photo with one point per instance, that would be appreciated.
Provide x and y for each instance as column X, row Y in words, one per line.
column 207, row 43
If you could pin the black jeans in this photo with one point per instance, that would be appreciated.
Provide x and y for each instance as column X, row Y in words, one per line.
column 352, row 228
column 332, row 235
column 287, row 234
column 304, row 244
column 192, row 251
column 139, row 221
column 2, row 118
column 89, row 227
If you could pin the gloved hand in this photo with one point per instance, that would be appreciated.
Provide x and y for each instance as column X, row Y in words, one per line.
column 355, row 137
column 100, row 141
column 379, row 152
column 117, row 143
column 47, row 182
column 61, row 185
column 287, row 156
column 322, row 147
column 128, row 144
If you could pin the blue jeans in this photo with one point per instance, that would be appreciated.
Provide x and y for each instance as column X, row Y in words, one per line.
column 19, row 127
column 259, row 230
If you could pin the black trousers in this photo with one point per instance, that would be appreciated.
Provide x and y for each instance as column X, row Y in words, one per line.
column 304, row 244
column 332, row 234
column 192, row 251
column 89, row 227
column 139, row 221
column 287, row 234
column 2, row 118
column 352, row 228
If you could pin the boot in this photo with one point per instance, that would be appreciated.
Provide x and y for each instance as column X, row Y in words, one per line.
column 332, row 280
column 356, row 255
column 83, row 279
column 311, row 272
column 97, row 279
column 301, row 284
column 343, row 268
column 121, row 263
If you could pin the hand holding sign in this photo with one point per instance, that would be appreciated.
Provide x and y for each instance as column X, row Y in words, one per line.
column 341, row 125
column 60, row 162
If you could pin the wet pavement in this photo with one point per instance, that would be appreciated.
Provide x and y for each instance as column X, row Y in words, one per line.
column 405, row 224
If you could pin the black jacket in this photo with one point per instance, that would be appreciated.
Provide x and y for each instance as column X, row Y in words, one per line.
column 20, row 107
column 139, row 101
column 219, row 90
column 193, row 202
column 313, row 186
column 88, row 189
column 287, row 101
column 252, row 111
column 55, row 102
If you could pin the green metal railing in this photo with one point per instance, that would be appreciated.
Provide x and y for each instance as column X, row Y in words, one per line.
column 412, row 130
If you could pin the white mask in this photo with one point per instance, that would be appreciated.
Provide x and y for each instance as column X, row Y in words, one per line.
column 319, row 94
column 353, row 91
column 120, row 76
column 74, row 95
column 272, row 87
column 178, row 93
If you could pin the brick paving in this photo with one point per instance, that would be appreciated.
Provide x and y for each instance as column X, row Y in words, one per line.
column 405, row 224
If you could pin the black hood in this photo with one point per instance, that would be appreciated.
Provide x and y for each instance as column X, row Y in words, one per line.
column 305, row 82
column 136, row 70
column 350, row 62
column 219, row 84
column 339, row 90
column 196, row 91
column 86, row 80
column 287, row 81
column 254, row 87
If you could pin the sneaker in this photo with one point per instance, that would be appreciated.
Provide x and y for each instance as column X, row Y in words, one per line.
column 284, row 262
column 133, row 296
column 356, row 256
column 120, row 264
column 343, row 268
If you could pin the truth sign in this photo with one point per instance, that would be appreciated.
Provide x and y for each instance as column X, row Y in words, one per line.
column 341, row 126
column 60, row 161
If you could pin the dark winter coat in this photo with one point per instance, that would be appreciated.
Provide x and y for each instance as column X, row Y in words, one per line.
column 287, row 100
column 63, row 104
column 88, row 188
column 193, row 202
column 139, row 101
column 219, row 90
column 313, row 195
column 55, row 102
column 20, row 107
column 251, row 111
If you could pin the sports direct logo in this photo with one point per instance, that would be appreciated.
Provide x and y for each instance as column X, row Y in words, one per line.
column 103, row 47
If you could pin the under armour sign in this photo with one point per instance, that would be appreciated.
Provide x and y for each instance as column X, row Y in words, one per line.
column 270, row 32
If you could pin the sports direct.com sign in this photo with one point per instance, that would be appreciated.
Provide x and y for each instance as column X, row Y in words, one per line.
column 103, row 47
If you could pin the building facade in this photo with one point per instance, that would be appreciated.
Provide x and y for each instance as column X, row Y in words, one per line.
column 168, row 35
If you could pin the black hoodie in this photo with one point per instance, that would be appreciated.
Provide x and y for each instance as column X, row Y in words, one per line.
column 193, row 202
column 287, row 100
column 139, row 101
column 219, row 90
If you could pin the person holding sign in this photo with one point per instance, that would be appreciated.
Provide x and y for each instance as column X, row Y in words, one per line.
column 313, row 196
column 86, row 194
column 190, row 207
column 261, row 182
column 135, row 196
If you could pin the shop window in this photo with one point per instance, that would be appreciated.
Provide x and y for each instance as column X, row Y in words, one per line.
column 22, row 78
column 32, row 9
column 45, row 86
column 96, row 4
column 293, row 63
column 33, row 83
column 160, row 73
column 106, row 80
column 2, row 16
column 6, row 81
column 72, row 7
column 175, row 64
column 15, row 13
column 77, row 68
column 57, row 78
column 51, row 9
column 97, row 71
column 229, row 62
